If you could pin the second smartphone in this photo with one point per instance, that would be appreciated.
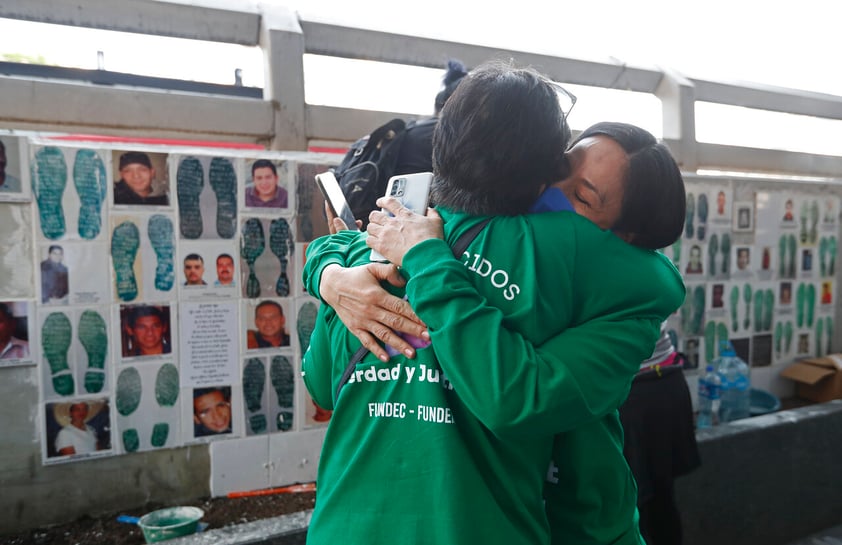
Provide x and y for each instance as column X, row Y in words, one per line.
column 413, row 191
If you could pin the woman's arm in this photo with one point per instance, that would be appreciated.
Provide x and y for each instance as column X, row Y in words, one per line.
column 357, row 295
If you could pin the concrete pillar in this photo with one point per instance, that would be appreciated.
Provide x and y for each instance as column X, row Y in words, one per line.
column 679, row 117
column 282, row 42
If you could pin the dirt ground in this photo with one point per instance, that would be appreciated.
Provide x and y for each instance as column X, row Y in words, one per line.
column 219, row 512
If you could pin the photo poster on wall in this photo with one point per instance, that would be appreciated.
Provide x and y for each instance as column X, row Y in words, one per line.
column 207, row 188
column 77, row 429
column 269, row 186
column 17, row 336
column 110, row 280
column 267, row 254
column 759, row 272
column 14, row 176
column 70, row 185
column 17, row 268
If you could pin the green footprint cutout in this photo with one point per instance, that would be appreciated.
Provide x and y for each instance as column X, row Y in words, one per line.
column 131, row 440
column 281, row 244
column 831, row 251
column 676, row 252
column 48, row 185
column 160, row 232
column 819, row 333
column 160, row 432
column 713, row 249
column 823, row 244
column 702, row 208
column 768, row 309
column 788, row 332
column 800, row 303
column 829, row 327
column 128, row 391
column 811, row 304
column 689, row 231
column 252, row 244
column 814, row 221
column 726, row 253
column 758, row 310
column 778, row 336
column 125, row 241
column 747, row 300
column 189, row 180
column 254, row 380
column 283, row 381
column 721, row 333
column 166, row 394
column 56, row 334
column 698, row 313
column 782, row 251
column 685, row 310
column 735, row 302
column 710, row 341
column 91, row 186
column 93, row 335
column 166, row 385
column 791, row 244
column 307, row 322
column 803, row 219
column 223, row 181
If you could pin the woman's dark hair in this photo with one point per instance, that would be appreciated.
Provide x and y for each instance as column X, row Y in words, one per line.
column 653, row 205
column 454, row 74
column 498, row 141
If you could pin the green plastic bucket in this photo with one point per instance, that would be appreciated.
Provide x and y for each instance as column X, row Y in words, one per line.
column 170, row 522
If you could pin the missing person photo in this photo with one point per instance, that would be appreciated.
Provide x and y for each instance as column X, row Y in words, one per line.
column 14, row 332
column 265, row 184
column 145, row 330
column 141, row 178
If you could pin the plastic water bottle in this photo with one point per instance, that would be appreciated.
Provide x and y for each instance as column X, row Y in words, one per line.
column 709, row 387
column 736, row 384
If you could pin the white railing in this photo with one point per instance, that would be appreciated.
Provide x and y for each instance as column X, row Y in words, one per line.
column 283, row 120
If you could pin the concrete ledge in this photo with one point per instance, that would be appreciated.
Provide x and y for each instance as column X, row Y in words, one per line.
column 771, row 479
column 284, row 530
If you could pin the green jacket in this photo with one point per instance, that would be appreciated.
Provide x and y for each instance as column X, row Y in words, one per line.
column 538, row 330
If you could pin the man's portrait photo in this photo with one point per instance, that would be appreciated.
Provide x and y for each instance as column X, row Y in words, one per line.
column 141, row 178
column 194, row 270
column 146, row 330
column 54, row 274
column 224, row 270
column 211, row 411
column 269, row 326
column 265, row 187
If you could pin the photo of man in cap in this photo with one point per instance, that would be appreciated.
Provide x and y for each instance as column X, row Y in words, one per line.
column 137, row 177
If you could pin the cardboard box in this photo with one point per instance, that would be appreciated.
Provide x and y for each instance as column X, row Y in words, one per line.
column 818, row 379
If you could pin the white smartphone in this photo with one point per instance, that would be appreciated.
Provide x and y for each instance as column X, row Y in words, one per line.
column 332, row 192
column 413, row 191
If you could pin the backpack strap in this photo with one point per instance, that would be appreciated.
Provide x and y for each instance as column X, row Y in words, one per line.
column 459, row 248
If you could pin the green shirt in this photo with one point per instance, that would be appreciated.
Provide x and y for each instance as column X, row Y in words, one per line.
column 537, row 330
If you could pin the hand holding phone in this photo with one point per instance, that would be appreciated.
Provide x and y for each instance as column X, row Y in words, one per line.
column 332, row 192
column 413, row 191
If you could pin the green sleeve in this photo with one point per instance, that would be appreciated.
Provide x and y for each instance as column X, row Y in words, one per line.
column 316, row 364
column 508, row 383
column 345, row 248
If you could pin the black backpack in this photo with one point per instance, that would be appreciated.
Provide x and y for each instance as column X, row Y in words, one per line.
column 367, row 166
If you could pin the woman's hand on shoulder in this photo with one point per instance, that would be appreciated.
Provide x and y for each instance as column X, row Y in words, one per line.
column 394, row 235
column 369, row 311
